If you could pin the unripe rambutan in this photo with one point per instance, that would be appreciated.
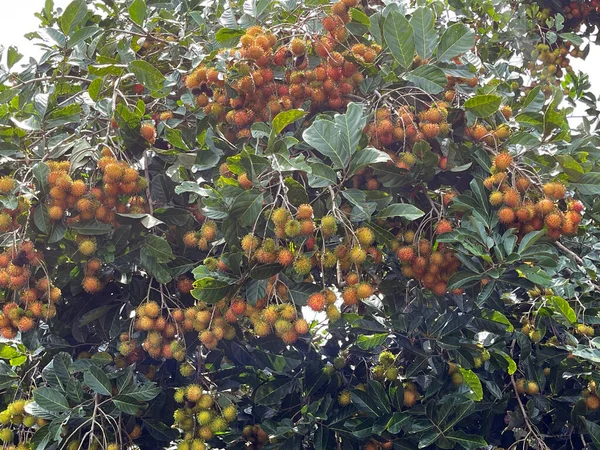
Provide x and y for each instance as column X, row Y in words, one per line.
column 365, row 236
column 333, row 313
column 364, row 290
column 298, row 47
column 506, row 111
column 250, row 243
column 293, row 228
column 190, row 239
column 55, row 213
column 303, row 265
column 357, row 255
column 430, row 130
column 496, row 198
column 87, row 247
column 280, row 216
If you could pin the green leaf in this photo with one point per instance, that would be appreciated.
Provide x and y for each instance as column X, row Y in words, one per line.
column 529, row 239
column 483, row 105
column 82, row 34
column 210, row 290
column 498, row 317
column 51, row 400
column 160, row 431
column 512, row 365
column 272, row 392
column 137, row 11
column 398, row 34
column 564, row 308
column 12, row 56
column 403, row 210
column 368, row 342
column 350, row 126
column 285, row 118
column 92, row 228
column 246, row 207
column 397, row 421
column 175, row 138
column 159, row 248
column 325, row 138
column 425, row 36
column 128, row 404
column 299, row 292
column 467, row 441
column 472, row 380
column 456, row 40
column 295, row 192
column 41, row 218
column 594, row 430
column 72, row 16
column 97, row 380
column 534, row 101
column 321, row 175
column 588, row 184
column 225, row 34
column 364, row 157
column 430, row 78
column 94, row 89
column 147, row 74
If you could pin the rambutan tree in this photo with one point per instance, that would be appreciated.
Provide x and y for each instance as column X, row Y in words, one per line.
column 300, row 225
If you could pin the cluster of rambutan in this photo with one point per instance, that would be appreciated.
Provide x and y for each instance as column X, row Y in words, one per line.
column 419, row 260
column 590, row 395
column 492, row 137
column 9, row 217
column 117, row 194
column 33, row 299
column 525, row 208
column 161, row 340
column 259, row 96
column 201, row 416
column 91, row 282
column 386, row 369
column 201, row 238
column 282, row 319
column 256, row 437
column 15, row 416
column 401, row 129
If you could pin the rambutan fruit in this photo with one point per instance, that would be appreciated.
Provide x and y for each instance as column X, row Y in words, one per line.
column 87, row 247
column 91, row 285
column 148, row 132
column 430, row 130
column 443, row 226
column 303, row 265
column 364, row 290
column 316, row 301
column 350, row 296
column 553, row 220
column 506, row 215
column 496, row 198
column 512, row 198
column 405, row 254
column 545, row 206
column 502, row 161
column 298, row 46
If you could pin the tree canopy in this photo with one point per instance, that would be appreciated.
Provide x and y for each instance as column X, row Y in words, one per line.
column 301, row 225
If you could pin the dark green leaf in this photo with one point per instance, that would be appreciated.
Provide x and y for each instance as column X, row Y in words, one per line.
column 483, row 105
column 430, row 78
column 425, row 36
column 398, row 34
column 456, row 40
column 97, row 380
column 147, row 74
column 51, row 400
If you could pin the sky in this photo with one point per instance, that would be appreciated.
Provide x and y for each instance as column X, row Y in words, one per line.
column 20, row 20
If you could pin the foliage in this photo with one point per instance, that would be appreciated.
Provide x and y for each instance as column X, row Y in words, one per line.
column 300, row 225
